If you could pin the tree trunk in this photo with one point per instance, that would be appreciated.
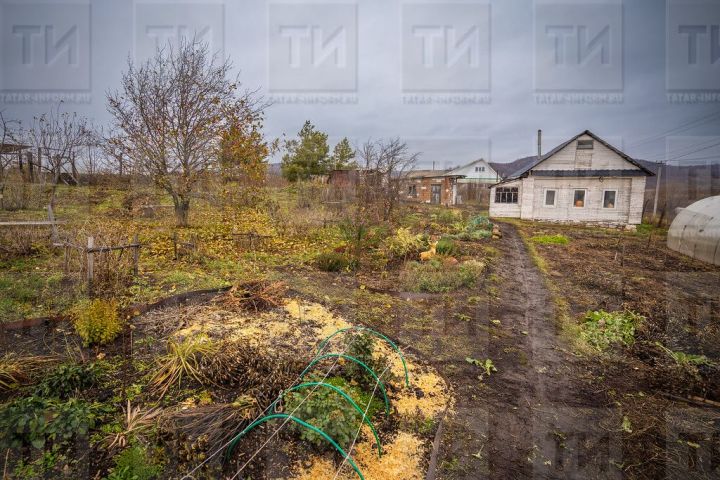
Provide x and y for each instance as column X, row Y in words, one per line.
column 182, row 209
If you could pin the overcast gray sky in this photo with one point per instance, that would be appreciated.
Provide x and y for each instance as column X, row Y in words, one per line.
column 458, row 80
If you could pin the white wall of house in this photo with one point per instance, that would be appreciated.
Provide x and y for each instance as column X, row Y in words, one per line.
column 593, row 210
column 507, row 210
column 478, row 171
column 599, row 158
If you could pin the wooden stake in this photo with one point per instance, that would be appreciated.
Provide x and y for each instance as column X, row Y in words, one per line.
column 136, row 254
column 90, row 263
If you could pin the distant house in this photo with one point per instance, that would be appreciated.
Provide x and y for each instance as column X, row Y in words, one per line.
column 430, row 186
column 583, row 180
column 478, row 171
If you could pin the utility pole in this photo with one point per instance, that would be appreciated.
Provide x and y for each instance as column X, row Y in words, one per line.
column 657, row 189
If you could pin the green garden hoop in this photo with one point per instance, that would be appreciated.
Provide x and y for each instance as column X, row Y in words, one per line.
column 377, row 334
column 352, row 359
column 266, row 418
column 347, row 397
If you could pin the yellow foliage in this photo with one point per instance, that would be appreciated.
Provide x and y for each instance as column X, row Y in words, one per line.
column 97, row 321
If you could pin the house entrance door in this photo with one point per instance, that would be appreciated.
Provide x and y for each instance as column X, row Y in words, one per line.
column 435, row 190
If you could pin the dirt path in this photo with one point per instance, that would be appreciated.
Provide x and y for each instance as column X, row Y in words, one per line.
column 537, row 416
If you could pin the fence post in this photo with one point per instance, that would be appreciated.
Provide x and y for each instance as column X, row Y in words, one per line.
column 136, row 255
column 66, row 259
column 90, row 263
column 175, row 252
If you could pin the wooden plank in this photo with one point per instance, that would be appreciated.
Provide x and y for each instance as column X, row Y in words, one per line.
column 30, row 223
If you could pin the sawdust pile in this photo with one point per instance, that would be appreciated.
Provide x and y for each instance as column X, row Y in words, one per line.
column 401, row 460
column 428, row 395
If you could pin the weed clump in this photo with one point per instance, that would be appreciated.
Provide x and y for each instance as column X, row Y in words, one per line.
column 434, row 277
column 603, row 329
column 16, row 370
column 97, row 321
column 403, row 244
column 334, row 262
column 550, row 239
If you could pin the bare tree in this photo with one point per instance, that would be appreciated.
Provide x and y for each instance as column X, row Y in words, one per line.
column 59, row 136
column 6, row 135
column 386, row 164
column 170, row 115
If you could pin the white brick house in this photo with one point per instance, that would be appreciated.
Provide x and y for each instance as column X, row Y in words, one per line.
column 583, row 180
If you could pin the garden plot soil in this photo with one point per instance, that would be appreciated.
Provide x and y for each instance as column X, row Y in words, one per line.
column 670, row 411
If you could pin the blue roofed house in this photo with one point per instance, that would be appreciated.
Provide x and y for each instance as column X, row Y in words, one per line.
column 584, row 179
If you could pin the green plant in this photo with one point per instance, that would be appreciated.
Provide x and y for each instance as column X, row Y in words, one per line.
column 476, row 228
column 601, row 329
column 334, row 262
column 403, row 244
column 97, row 321
column 134, row 463
column 445, row 246
column 35, row 420
column 362, row 347
column 67, row 380
column 550, row 239
column 328, row 411
column 487, row 366
column 687, row 360
column 182, row 360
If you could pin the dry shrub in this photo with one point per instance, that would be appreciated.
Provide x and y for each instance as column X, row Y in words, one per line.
column 136, row 422
column 255, row 296
column 182, row 360
column 251, row 369
column 207, row 427
column 20, row 195
column 24, row 241
column 16, row 370
column 112, row 271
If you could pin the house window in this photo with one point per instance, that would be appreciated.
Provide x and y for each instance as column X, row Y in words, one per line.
column 549, row 198
column 412, row 191
column 579, row 198
column 506, row 195
column 609, row 198
column 585, row 144
column 479, row 169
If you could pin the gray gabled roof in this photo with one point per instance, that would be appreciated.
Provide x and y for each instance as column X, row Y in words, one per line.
column 537, row 161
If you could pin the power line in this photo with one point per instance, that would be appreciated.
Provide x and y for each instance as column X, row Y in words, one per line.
column 679, row 128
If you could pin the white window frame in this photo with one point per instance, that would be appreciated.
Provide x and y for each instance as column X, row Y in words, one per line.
column 545, row 204
column 585, row 197
column 616, row 198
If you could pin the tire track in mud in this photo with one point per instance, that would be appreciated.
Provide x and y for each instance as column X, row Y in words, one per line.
column 516, row 424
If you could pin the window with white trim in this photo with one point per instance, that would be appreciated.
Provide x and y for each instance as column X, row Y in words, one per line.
column 609, row 198
column 506, row 195
column 585, row 145
column 579, row 198
column 550, row 197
